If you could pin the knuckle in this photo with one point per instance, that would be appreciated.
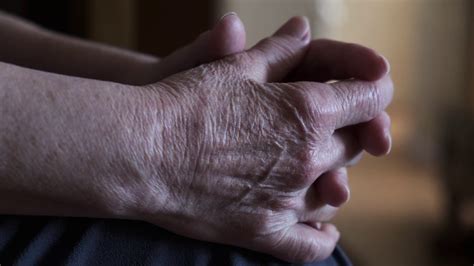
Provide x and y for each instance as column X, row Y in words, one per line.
column 268, row 223
column 306, row 169
column 253, row 63
column 283, row 45
column 342, row 98
column 231, row 66
column 322, row 105
column 302, row 99
column 374, row 96
column 365, row 97
column 236, row 60
column 301, row 107
column 308, row 110
column 274, row 50
column 254, row 57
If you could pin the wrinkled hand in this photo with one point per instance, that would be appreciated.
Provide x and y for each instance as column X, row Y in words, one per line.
column 325, row 60
column 235, row 151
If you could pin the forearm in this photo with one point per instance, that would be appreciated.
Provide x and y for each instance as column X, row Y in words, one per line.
column 69, row 146
column 28, row 45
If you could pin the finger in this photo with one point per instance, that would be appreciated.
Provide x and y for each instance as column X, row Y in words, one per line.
column 341, row 149
column 345, row 103
column 334, row 60
column 314, row 209
column 227, row 37
column 333, row 187
column 361, row 101
column 374, row 136
column 274, row 57
column 303, row 243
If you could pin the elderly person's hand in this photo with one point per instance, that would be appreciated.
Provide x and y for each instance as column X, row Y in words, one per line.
column 234, row 148
column 325, row 60
column 249, row 150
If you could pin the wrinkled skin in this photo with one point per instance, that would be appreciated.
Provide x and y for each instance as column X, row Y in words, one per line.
column 236, row 149
column 325, row 60
column 249, row 150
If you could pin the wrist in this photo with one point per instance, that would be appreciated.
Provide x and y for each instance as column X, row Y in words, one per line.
column 145, row 177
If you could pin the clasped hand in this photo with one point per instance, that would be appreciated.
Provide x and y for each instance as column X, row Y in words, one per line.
column 250, row 150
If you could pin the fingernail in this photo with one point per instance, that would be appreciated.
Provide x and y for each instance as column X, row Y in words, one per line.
column 318, row 226
column 348, row 193
column 343, row 170
column 228, row 14
column 297, row 27
column 386, row 63
column 344, row 194
column 388, row 138
column 306, row 37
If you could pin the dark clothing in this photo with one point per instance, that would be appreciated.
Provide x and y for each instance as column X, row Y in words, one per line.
column 26, row 240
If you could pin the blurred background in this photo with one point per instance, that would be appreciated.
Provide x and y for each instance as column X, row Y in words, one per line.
column 413, row 207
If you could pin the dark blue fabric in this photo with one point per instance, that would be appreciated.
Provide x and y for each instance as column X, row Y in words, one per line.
column 28, row 240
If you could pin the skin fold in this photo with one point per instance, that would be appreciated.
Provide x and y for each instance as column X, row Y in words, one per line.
column 240, row 147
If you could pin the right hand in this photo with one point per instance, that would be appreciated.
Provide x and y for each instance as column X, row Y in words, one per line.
column 234, row 152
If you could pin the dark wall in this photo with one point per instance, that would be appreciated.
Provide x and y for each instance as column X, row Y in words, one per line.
column 14, row 7
column 163, row 26
column 67, row 16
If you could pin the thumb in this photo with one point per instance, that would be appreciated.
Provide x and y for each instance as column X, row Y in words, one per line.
column 275, row 57
column 225, row 38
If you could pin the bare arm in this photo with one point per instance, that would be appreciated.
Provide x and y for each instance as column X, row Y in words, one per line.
column 63, row 142
column 29, row 45
column 61, row 136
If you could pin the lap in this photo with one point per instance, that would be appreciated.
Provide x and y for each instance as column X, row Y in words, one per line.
column 26, row 240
